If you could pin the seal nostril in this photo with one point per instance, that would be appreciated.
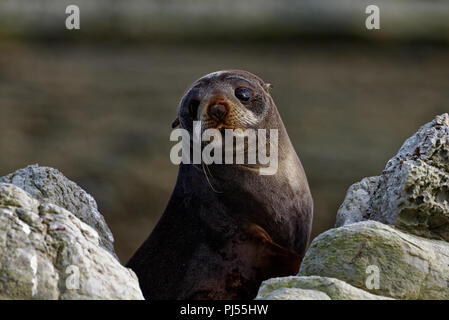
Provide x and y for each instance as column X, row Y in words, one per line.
column 218, row 110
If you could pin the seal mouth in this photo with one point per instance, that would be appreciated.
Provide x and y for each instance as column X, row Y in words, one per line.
column 220, row 125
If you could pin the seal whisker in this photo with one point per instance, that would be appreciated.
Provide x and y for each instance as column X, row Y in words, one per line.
column 207, row 177
column 208, row 170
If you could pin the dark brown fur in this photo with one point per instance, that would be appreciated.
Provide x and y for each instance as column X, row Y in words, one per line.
column 222, row 242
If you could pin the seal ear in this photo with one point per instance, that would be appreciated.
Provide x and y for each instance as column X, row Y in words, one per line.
column 175, row 123
column 267, row 86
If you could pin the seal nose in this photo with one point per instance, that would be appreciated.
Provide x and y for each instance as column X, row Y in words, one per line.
column 218, row 111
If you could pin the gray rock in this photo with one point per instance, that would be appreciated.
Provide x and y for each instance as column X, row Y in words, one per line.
column 410, row 267
column 313, row 287
column 355, row 208
column 48, row 185
column 414, row 197
column 430, row 144
column 46, row 252
column 413, row 191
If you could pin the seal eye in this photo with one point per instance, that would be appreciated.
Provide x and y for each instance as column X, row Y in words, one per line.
column 243, row 94
column 193, row 108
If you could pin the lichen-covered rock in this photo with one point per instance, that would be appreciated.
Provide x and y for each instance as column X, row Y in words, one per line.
column 46, row 252
column 413, row 191
column 48, row 185
column 409, row 267
column 313, row 287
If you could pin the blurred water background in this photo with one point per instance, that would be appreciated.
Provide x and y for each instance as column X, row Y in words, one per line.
column 97, row 103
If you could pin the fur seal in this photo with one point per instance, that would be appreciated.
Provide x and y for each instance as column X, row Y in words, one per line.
column 222, row 242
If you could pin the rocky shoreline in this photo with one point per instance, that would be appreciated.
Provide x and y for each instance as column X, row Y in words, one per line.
column 391, row 234
column 390, row 240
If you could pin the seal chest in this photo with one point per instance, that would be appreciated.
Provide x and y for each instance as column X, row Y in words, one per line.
column 227, row 227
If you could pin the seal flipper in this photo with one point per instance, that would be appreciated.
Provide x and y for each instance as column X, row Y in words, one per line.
column 249, row 257
column 273, row 259
column 255, row 258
